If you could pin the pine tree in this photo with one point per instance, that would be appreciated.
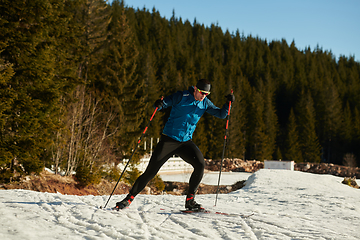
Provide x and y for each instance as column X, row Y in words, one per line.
column 88, row 30
column 352, row 81
column 31, row 49
column 356, row 125
column 163, row 49
column 200, row 50
column 93, row 17
column 270, row 117
column 259, row 140
column 347, row 124
column 309, row 141
column 146, row 70
column 330, row 111
column 237, row 126
column 200, row 137
column 7, row 94
column 235, row 81
column 129, row 89
column 216, row 126
column 293, row 150
column 356, row 135
column 248, row 97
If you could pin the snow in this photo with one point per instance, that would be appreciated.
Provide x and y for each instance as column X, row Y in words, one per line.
column 287, row 205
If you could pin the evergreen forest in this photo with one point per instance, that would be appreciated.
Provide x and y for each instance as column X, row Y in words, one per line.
column 78, row 79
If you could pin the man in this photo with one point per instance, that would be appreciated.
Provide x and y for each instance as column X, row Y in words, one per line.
column 187, row 108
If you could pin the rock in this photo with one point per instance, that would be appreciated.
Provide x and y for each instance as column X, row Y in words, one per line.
column 234, row 165
column 351, row 182
column 326, row 168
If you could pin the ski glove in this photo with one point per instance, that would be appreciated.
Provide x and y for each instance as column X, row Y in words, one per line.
column 230, row 98
column 158, row 103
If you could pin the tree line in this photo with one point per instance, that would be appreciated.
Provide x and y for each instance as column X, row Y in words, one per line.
column 78, row 79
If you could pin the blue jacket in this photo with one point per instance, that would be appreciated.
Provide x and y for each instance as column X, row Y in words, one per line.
column 186, row 113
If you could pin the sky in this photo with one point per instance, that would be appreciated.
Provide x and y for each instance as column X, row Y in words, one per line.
column 332, row 25
column 283, row 204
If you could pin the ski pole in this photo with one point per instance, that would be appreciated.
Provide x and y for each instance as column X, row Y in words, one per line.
column 152, row 116
column 223, row 152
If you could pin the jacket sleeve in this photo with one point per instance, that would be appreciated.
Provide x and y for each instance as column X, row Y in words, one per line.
column 217, row 112
column 172, row 99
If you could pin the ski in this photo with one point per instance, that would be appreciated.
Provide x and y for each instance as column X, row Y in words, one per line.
column 217, row 212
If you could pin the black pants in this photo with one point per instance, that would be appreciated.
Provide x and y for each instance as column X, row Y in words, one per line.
column 166, row 148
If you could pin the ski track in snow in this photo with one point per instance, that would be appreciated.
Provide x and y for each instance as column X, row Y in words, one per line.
column 286, row 205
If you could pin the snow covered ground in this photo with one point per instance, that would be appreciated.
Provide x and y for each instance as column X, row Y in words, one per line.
column 287, row 205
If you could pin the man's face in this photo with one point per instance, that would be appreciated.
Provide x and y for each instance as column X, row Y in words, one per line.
column 198, row 95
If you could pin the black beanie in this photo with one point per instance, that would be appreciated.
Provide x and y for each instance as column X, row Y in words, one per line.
column 204, row 85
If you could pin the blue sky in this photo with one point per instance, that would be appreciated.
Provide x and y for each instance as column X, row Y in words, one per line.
column 333, row 25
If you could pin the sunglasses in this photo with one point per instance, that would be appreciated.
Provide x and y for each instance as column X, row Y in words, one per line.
column 203, row 92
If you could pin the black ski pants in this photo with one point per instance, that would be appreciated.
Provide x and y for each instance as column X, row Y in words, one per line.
column 166, row 148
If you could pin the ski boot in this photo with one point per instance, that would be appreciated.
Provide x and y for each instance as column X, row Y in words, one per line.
column 124, row 203
column 190, row 204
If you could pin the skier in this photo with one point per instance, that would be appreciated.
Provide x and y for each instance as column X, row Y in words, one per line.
column 187, row 108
